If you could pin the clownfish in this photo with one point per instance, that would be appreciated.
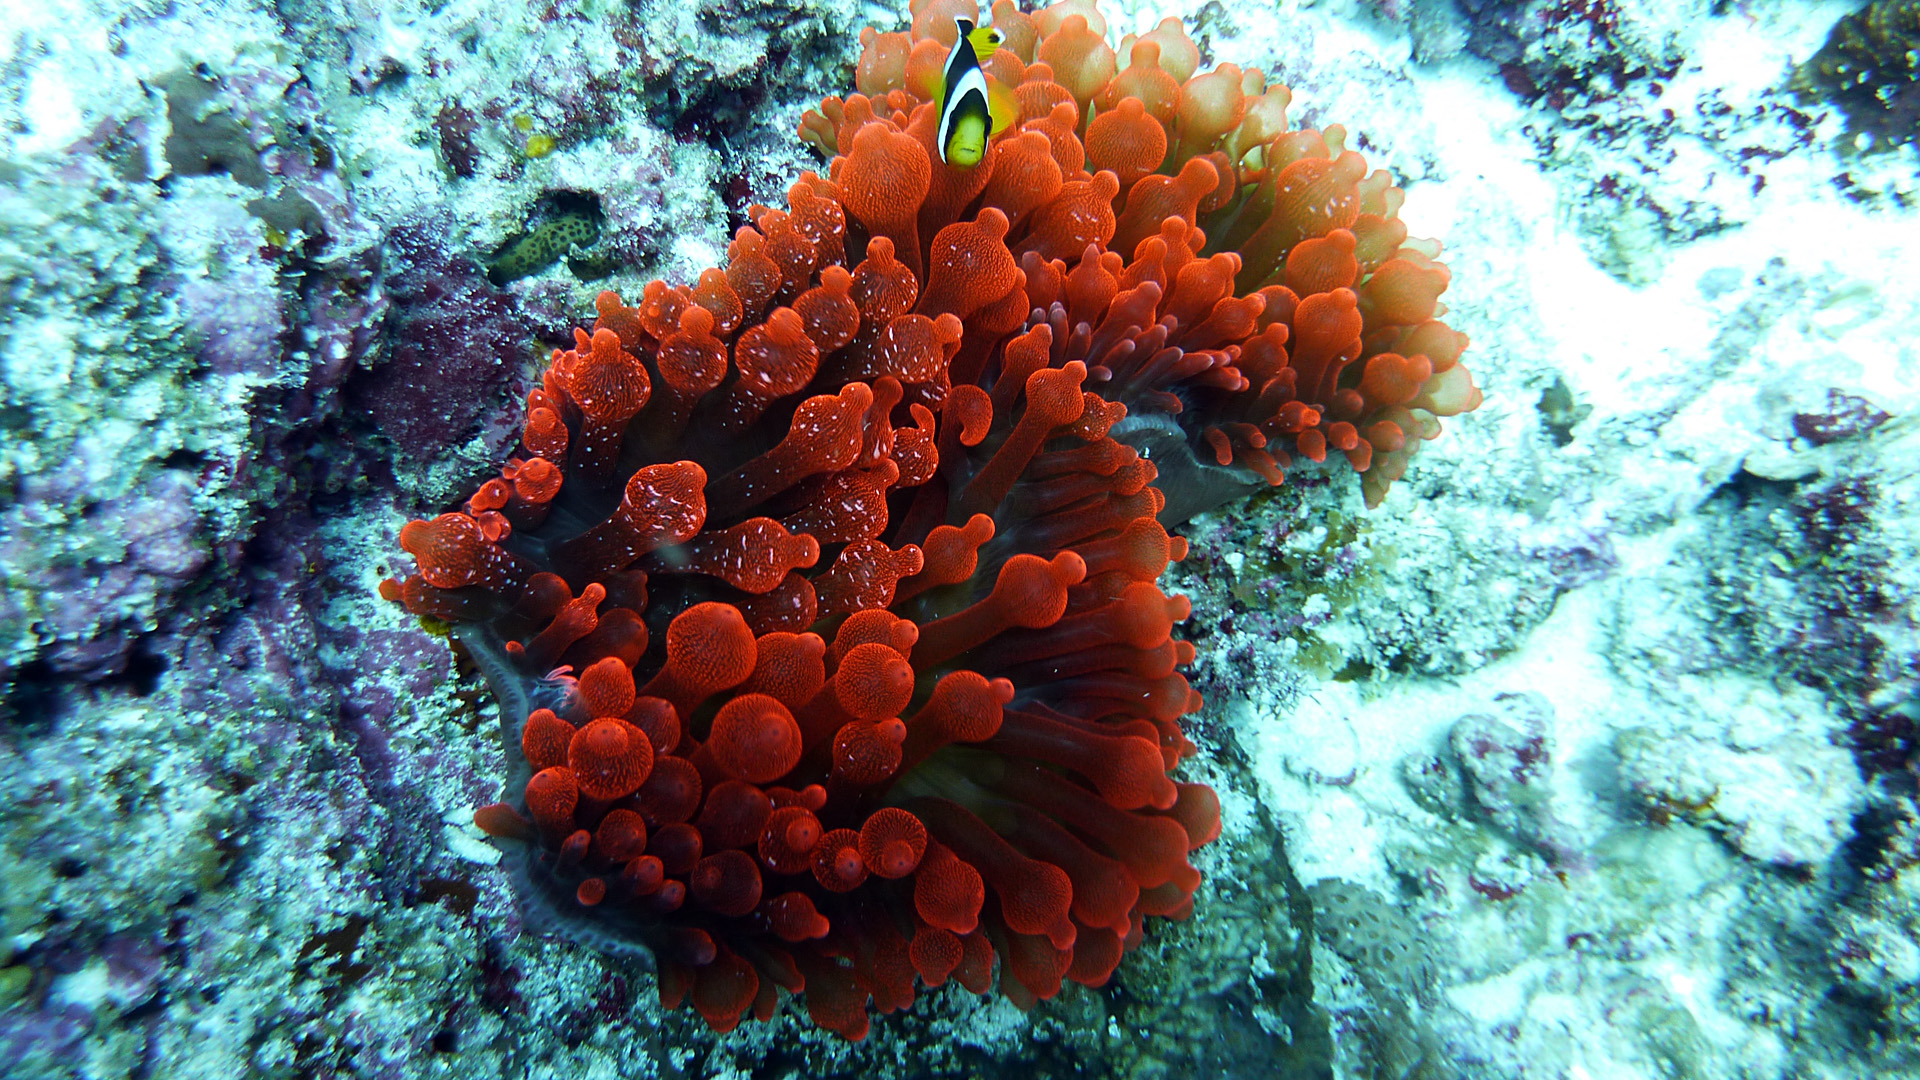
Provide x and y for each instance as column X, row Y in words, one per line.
column 972, row 107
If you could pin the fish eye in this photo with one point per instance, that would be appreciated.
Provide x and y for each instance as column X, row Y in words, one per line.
column 996, row 36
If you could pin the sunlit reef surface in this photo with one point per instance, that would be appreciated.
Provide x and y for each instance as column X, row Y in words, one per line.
column 1589, row 750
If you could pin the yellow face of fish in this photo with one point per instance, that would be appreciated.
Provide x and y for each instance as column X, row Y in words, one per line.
column 966, row 140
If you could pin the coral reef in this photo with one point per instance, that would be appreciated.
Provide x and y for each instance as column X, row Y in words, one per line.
column 206, row 228
column 1699, row 574
column 1875, row 948
column 239, row 838
column 835, row 569
column 1870, row 68
column 121, row 509
column 1651, row 152
column 450, row 340
column 1508, row 760
column 1780, row 792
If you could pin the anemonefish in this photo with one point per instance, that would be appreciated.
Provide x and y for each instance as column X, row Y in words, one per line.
column 973, row 107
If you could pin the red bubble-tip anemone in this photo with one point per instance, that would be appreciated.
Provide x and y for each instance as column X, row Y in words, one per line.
column 847, row 553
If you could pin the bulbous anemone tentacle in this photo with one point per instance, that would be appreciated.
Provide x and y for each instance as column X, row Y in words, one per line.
column 821, row 600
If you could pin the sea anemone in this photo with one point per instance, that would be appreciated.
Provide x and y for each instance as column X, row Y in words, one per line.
column 845, row 554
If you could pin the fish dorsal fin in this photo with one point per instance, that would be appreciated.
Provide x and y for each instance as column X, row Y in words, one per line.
column 1002, row 105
